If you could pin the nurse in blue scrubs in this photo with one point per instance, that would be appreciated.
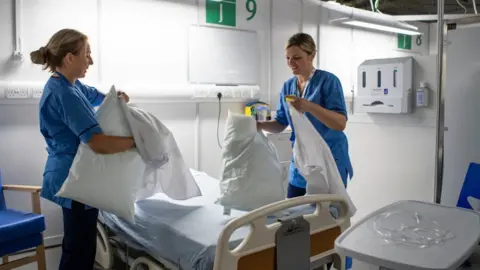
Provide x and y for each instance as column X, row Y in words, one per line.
column 319, row 95
column 67, row 118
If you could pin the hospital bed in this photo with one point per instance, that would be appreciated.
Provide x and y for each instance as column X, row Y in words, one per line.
column 196, row 235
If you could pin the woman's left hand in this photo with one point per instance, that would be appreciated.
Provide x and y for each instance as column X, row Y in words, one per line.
column 123, row 95
column 300, row 104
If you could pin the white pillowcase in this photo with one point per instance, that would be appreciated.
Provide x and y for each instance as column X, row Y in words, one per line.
column 167, row 171
column 251, row 174
column 107, row 182
column 314, row 160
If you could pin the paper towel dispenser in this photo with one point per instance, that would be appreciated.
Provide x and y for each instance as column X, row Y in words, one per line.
column 385, row 86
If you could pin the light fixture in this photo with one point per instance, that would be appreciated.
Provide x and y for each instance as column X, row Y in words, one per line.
column 400, row 28
column 368, row 19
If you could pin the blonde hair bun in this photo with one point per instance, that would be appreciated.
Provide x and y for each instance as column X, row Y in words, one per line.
column 39, row 56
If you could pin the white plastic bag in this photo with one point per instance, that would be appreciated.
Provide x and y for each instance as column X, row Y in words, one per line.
column 314, row 160
column 251, row 174
column 107, row 182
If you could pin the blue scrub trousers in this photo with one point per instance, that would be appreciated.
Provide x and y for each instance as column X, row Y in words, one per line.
column 80, row 238
column 294, row 191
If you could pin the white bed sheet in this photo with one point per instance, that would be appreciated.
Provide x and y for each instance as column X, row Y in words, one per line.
column 182, row 232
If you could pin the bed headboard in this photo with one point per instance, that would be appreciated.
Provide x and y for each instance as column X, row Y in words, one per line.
column 257, row 251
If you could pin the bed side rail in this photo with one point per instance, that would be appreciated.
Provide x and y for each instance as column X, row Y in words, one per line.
column 257, row 250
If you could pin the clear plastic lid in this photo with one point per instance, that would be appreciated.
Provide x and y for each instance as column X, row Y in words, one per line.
column 410, row 228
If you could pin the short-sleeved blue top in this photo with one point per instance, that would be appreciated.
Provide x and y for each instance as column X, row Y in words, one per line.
column 67, row 118
column 324, row 89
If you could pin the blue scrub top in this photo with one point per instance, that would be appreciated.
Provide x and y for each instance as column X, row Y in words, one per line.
column 67, row 118
column 324, row 89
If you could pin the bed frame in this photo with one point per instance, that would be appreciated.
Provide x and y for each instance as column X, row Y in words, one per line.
column 257, row 250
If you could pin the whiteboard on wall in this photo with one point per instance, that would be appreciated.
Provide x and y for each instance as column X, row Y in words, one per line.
column 223, row 56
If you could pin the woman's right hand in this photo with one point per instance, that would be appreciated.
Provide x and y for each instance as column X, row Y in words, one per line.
column 271, row 126
column 259, row 125
column 134, row 145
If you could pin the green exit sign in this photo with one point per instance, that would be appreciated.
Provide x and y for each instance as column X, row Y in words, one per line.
column 404, row 42
column 222, row 12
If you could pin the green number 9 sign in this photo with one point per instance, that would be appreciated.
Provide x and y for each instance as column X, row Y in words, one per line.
column 251, row 6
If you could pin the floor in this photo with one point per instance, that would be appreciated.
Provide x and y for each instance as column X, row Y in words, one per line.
column 53, row 258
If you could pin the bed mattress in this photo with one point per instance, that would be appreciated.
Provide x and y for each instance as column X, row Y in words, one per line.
column 184, row 233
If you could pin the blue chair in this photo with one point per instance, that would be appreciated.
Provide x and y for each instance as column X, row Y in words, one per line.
column 471, row 186
column 20, row 231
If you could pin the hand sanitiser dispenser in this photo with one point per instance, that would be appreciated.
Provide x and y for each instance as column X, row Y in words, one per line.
column 422, row 95
column 385, row 86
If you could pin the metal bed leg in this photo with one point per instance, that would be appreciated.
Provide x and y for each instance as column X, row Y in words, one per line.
column 151, row 265
column 467, row 264
column 126, row 258
column 339, row 262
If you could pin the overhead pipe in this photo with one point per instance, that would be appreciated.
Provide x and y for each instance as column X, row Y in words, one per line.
column 18, row 54
column 363, row 3
column 472, row 21
column 434, row 17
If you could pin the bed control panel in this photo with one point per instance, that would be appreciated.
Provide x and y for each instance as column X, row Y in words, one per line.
column 292, row 241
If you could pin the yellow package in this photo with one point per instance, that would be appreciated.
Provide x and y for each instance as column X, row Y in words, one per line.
column 290, row 98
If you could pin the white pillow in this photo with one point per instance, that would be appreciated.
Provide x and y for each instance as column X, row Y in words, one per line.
column 251, row 174
column 107, row 182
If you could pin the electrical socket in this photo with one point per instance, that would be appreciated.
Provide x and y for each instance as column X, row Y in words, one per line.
column 16, row 93
column 227, row 93
column 237, row 93
column 37, row 93
column 255, row 94
column 246, row 93
column 201, row 93
column 213, row 93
